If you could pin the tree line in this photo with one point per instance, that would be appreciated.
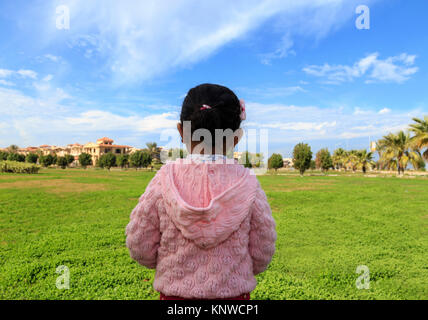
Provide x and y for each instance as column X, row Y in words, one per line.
column 139, row 159
column 395, row 152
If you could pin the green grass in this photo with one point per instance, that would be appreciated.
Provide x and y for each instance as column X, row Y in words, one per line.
column 327, row 226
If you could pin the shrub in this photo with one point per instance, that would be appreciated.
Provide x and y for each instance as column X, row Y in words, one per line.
column 31, row 158
column 85, row 159
column 140, row 159
column 69, row 159
column 107, row 160
column 62, row 162
column 18, row 167
column 323, row 160
column 122, row 160
column 275, row 161
column 16, row 157
column 3, row 155
column 302, row 156
column 46, row 161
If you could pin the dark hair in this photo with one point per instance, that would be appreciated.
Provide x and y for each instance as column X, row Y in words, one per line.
column 224, row 113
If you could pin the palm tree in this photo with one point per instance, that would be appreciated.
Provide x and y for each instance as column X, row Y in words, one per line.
column 379, row 149
column 152, row 148
column 420, row 138
column 351, row 159
column 397, row 151
column 365, row 158
column 13, row 148
column 339, row 157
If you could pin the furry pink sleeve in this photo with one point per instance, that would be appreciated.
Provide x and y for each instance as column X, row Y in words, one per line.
column 142, row 232
column 262, row 234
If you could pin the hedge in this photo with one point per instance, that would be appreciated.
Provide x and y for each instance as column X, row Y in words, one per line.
column 18, row 167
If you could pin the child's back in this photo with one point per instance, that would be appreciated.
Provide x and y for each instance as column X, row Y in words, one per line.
column 206, row 228
column 205, row 225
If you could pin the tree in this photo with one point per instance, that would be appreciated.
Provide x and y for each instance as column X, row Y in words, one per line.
column 323, row 160
column 257, row 160
column 147, row 159
column 351, row 160
column 122, row 160
column 248, row 160
column 420, row 138
column 364, row 159
column 3, row 155
column 13, row 156
column 152, row 148
column 69, row 158
column 398, row 150
column 13, row 148
column 177, row 153
column 380, row 164
column 85, row 159
column 313, row 165
column 62, row 162
column 107, row 160
column 338, row 158
column 420, row 165
column 31, row 158
column 302, row 156
column 46, row 161
column 275, row 161
column 136, row 159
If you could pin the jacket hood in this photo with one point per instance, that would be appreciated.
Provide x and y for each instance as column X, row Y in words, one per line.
column 212, row 224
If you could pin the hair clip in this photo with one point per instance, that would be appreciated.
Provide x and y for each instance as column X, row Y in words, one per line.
column 205, row 106
column 243, row 114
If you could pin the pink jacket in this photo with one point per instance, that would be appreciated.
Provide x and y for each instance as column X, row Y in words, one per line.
column 207, row 228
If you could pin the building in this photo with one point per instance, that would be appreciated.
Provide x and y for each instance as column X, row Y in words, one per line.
column 103, row 146
column 96, row 150
column 288, row 162
column 75, row 149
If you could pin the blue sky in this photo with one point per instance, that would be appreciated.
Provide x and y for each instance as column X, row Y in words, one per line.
column 123, row 68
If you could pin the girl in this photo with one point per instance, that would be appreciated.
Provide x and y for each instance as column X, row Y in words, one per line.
column 203, row 222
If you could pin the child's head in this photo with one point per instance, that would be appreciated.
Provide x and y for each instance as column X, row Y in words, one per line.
column 211, row 107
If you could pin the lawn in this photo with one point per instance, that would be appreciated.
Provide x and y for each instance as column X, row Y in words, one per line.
column 327, row 226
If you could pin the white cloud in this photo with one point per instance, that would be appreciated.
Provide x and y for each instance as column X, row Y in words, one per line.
column 6, row 83
column 4, row 73
column 56, row 118
column 49, row 77
column 271, row 92
column 283, row 50
column 97, row 120
column 14, row 103
column 51, row 57
column 138, row 40
column 296, row 126
column 393, row 69
column 384, row 111
column 290, row 123
column 27, row 74
column 48, row 119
